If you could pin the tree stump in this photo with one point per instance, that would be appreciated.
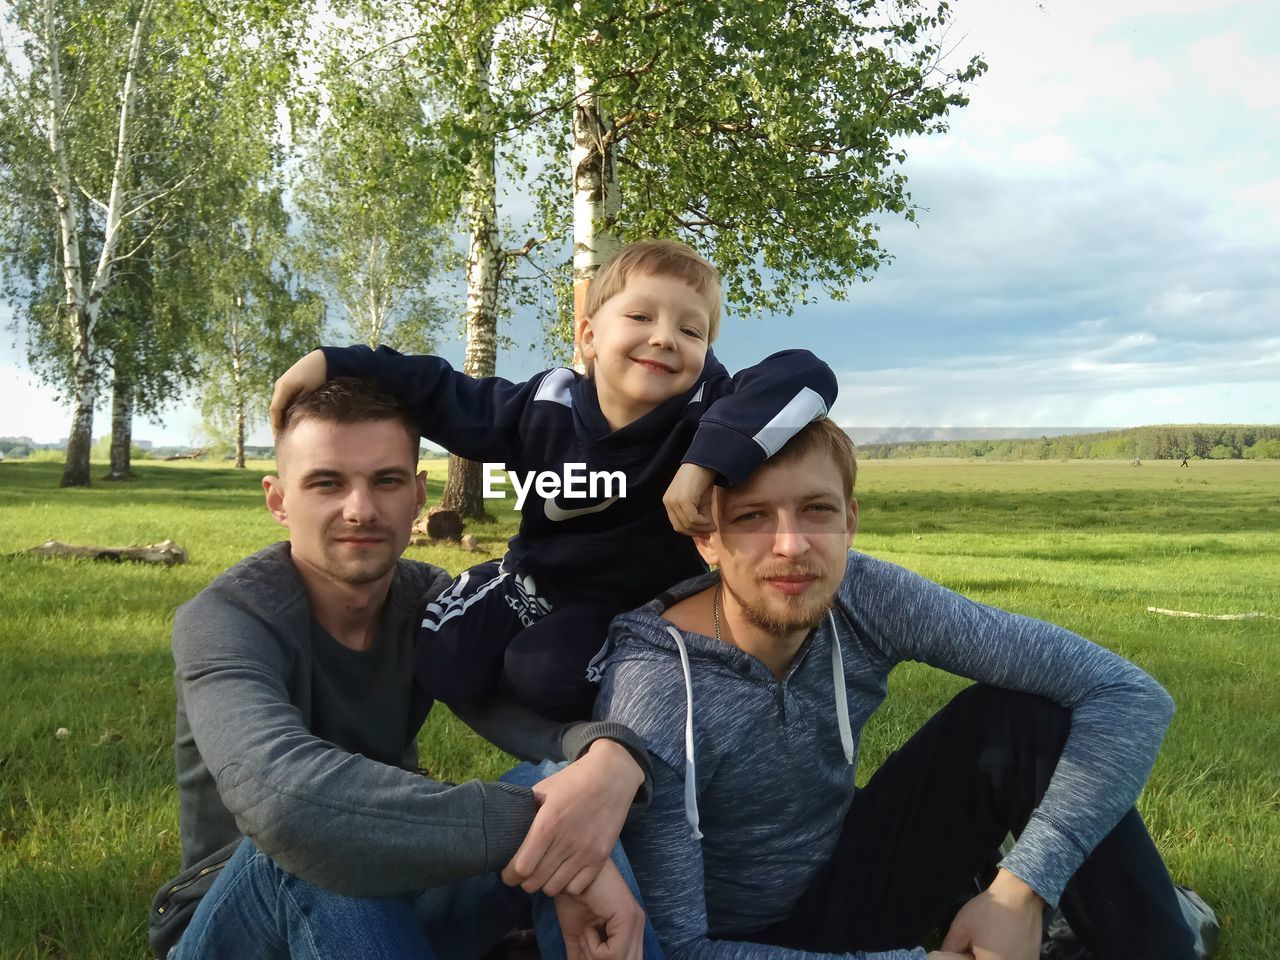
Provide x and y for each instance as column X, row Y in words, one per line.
column 166, row 552
column 443, row 524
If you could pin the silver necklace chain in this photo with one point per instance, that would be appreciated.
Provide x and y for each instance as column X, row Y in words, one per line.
column 715, row 609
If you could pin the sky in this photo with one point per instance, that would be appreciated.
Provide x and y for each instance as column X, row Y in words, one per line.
column 1098, row 245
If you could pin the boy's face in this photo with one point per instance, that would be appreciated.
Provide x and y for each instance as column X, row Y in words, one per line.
column 646, row 344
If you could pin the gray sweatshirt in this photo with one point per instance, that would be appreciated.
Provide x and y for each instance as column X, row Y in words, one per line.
column 249, row 763
column 765, row 767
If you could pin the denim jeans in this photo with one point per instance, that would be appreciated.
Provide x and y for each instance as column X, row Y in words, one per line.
column 546, row 926
column 257, row 910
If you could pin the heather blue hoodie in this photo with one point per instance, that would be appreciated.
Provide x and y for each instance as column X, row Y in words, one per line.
column 754, row 775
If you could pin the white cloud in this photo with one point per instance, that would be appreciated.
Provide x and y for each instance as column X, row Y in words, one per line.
column 1069, row 387
column 1229, row 67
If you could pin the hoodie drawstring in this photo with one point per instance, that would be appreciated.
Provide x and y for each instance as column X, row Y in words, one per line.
column 842, row 701
column 690, row 773
column 690, row 770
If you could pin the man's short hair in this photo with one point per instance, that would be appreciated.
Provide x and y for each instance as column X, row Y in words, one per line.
column 824, row 434
column 346, row 400
column 663, row 258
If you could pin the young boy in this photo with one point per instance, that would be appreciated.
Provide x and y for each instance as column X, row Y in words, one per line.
column 655, row 407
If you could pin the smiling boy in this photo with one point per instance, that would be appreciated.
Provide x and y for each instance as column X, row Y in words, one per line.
column 655, row 405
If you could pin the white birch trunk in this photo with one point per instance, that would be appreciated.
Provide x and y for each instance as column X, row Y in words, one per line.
column 237, row 381
column 83, row 305
column 121, row 425
column 76, row 471
column 597, row 199
column 376, row 318
column 462, row 492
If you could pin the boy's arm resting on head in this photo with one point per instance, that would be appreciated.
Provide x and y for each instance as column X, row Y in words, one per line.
column 475, row 418
column 339, row 820
column 306, row 374
column 751, row 416
column 1119, row 713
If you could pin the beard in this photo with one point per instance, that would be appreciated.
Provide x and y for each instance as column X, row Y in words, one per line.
column 785, row 615
column 355, row 573
column 365, row 567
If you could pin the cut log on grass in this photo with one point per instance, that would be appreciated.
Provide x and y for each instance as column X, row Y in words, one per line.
column 1251, row 615
column 191, row 455
column 166, row 552
column 443, row 524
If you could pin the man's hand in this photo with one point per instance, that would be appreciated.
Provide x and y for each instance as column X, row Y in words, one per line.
column 581, row 810
column 688, row 499
column 304, row 376
column 943, row 955
column 604, row 922
column 1004, row 922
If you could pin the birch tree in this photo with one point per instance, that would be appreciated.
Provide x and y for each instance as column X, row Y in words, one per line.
column 258, row 320
column 97, row 182
column 84, row 284
column 480, row 85
column 503, row 63
column 768, row 133
column 378, row 198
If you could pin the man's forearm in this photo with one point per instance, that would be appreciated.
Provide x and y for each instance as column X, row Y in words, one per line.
column 513, row 727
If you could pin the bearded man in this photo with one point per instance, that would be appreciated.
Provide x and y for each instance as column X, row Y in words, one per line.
column 750, row 687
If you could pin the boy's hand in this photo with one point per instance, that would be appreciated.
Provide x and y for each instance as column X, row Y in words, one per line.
column 604, row 922
column 581, row 810
column 304, row 376
column 688, row 499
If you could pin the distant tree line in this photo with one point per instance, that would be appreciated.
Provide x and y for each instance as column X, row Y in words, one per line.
column 1166, row 442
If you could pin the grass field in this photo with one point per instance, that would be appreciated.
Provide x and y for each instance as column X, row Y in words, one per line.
column 88, row 824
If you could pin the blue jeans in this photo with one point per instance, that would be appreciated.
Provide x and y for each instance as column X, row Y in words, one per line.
column 256, row 910
column 546, row 927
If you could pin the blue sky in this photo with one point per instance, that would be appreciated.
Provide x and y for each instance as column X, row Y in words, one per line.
column 1100, row 244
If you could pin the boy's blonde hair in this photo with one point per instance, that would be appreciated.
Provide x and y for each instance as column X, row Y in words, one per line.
column 663, row 258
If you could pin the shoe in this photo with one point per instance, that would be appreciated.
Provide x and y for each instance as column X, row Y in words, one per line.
column 1060, row 941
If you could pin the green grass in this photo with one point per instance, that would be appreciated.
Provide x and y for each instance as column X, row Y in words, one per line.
column 88, row 825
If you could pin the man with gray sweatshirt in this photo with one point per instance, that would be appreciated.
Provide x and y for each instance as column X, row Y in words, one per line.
column 750, row 687
column 306, row 828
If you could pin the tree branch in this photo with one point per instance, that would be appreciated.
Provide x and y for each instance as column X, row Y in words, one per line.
column 121, row 257
column 383, row 46
column 526, row 249
column 160, row 195
column 91, row 198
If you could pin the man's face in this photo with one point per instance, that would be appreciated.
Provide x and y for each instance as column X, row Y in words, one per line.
column 646, row 344
column 782, row 543
column 348, row 494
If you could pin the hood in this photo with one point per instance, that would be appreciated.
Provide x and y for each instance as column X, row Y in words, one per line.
column 645, row 633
